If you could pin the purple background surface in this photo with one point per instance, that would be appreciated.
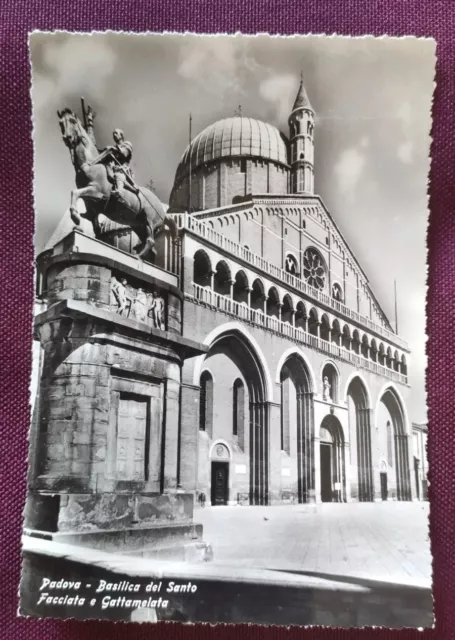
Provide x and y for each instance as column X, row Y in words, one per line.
column 347, row 17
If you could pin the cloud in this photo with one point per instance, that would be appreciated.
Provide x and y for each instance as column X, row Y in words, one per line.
column 405, row 152
column 212, row 63
column 76, row 65
column 349, row 169
column 279, row 90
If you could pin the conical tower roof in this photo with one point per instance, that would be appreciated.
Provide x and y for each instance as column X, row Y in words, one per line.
column 302, row 101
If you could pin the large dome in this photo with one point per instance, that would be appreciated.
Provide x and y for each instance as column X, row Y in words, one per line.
column 237, row 136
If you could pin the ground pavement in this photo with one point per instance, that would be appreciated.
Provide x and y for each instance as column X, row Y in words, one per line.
column 381, row 541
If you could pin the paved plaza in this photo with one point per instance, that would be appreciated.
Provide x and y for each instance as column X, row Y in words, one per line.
column 380, row 541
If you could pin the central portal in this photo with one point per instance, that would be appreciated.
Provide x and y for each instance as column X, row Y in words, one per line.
column 333, row 481
column 220, row 483
column 326, row 472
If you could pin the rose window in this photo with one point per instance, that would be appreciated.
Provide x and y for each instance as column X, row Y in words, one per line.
column 313, row 269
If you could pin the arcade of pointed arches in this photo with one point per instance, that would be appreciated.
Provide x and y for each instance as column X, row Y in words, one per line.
column 251, row 423
column 271, row 301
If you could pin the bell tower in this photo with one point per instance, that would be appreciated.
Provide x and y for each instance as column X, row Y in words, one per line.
column 301, row 137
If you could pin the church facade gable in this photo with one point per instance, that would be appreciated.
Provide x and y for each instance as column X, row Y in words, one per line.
column 298, row 235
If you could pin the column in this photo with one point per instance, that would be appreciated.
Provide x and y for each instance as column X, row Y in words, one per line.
column 249, row 290
column 189, row 434
column 318, row 329
column 212, row 279
column 317, row 466
column 280, row 306
column 275, row 449
column 305, row 447
column 293, row 317
column 259, row 453
column 231, row 289
column 364, row 455
column 264, row 299
column 347, row 473
column 171, row 434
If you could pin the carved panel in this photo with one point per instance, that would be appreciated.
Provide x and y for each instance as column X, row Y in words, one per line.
column 138, row 304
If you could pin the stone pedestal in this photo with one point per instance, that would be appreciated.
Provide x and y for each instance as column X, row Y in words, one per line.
column 106, row 440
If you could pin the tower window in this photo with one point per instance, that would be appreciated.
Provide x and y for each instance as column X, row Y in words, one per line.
column 243, row 165
column 297, row 127
column 301, row 156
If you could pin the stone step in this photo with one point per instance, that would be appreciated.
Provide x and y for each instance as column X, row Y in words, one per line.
column 192, row 552
column 128, row 540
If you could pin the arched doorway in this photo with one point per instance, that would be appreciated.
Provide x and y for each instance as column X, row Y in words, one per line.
column 359, row 414
column 219, row 487
column 393, row 409
column 332, row 466
column 241, row 416
column 297, row 423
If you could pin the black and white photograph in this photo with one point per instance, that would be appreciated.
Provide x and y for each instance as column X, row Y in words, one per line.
column 229, row 417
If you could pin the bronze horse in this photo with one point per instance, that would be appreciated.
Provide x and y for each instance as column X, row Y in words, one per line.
column 143, row 212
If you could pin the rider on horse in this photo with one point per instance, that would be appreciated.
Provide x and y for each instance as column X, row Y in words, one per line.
column 117, row 159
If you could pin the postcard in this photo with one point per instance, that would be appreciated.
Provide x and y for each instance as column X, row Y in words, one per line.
column 228, row 391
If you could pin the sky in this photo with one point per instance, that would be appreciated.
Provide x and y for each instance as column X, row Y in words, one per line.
column 372, row 98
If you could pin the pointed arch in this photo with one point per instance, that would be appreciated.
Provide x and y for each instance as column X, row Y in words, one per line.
column 236, row 328
column 202, row 268
column 287, row 312
column 359, row 417
column 346, row 337
column 393, row 402
column 325, row 331
column 241, row 286
column 297, row 417
column 222, row 278
column 233, row 342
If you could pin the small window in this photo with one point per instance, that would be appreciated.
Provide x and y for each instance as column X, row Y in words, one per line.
column 337, row 293
column 302, row 156
column 243, row 165
column 206, row 403
column 291, row 265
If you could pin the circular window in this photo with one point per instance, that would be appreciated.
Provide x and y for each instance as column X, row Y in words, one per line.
column 314, row 269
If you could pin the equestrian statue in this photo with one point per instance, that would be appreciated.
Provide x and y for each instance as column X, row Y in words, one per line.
column 105, row 182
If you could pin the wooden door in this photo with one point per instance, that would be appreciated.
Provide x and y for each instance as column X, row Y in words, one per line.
column 326, row 472
column 131, row 438
column 384, row 487
column 220, row 483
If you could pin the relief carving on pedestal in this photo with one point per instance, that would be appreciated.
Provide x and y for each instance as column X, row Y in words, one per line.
column 137, row 304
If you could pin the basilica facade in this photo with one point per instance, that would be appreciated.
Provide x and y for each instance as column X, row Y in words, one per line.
column 250, row 363
column 302, row 393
